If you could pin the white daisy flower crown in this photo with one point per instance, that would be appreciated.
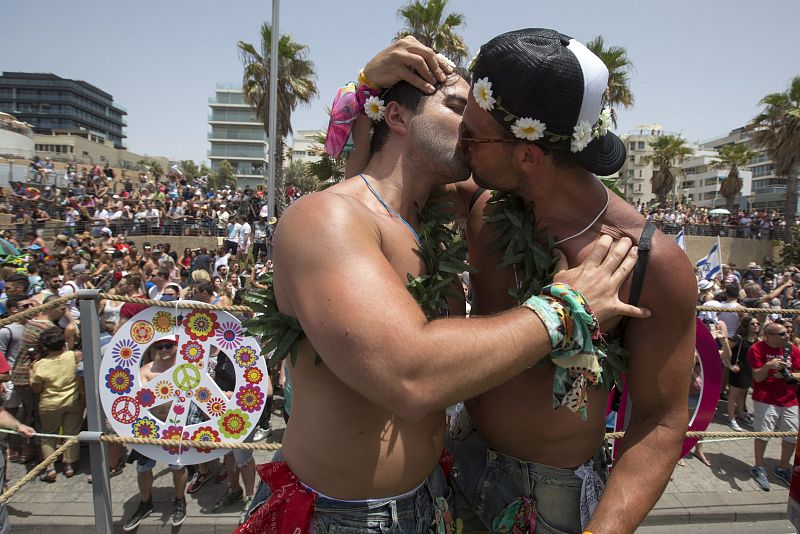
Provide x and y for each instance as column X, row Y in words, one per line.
column 531, row 129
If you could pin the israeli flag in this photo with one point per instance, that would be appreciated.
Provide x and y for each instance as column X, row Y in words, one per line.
column 710, row 266
column 681, row 240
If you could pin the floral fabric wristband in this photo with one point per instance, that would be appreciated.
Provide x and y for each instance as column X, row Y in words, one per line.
column 572, row 328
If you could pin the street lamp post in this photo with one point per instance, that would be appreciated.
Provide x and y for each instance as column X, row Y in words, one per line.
column 273, row 107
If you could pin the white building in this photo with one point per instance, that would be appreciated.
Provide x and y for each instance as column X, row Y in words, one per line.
column 768, row 190
column 237, row 135
column 699, row 182
column 637, row 172
column 305, row 147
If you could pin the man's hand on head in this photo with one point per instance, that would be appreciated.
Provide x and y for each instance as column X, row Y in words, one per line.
column 407, row 59
column 601, row 275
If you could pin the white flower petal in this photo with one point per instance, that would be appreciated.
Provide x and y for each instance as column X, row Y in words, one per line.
column 528, row 129
column 482, row 91
column 581, row 135
column 374, row 108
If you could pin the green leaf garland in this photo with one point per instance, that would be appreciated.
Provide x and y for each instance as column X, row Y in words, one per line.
column 442, row 250
column 518, row 236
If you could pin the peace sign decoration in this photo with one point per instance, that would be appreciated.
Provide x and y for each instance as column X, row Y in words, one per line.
column 130, row 403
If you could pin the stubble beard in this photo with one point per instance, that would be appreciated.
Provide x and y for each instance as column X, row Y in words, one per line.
column 436, row 153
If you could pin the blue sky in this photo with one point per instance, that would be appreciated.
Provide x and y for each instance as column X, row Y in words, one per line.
column 701, row 66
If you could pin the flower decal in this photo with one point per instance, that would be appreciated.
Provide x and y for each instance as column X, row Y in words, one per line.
column 205, row 433
column 253, row 375
column 125, row 353
column 146, row 397
column 119, row 380
column 164, row 322
column 216, row 407
column 234, row 424
column 528, row 129
column 603, row 123
column 581, row 135
column 250, row 398
column 200, row 324
column 229, row 335
column 482, row 91
column 178, row 409
column 145, row 427
column 165, row 390
column 202, row 395
column 192, row 351
column 245, row 356
column 176, row 433
column 374, row 108
column 142, row 332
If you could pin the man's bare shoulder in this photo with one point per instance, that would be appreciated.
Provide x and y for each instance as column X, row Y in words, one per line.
column 327, row 214
column 669, row 278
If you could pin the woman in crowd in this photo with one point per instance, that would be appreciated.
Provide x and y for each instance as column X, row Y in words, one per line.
column 54, row 379
column 740, row 375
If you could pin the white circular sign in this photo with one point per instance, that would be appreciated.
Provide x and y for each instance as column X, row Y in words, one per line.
column 131, row 404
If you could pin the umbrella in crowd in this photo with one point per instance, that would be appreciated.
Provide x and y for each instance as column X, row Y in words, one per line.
column 719, row 211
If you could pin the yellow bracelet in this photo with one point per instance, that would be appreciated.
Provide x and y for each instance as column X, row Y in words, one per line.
column 362, row 80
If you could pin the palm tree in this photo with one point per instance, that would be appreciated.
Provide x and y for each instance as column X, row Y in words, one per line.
column 777, row 129
column 619, row 68
column 425, row 20
column 668, row 151
column 296, row 85
column 732, row 157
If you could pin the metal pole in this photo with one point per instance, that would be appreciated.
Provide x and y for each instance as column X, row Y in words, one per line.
column 90, row 334
column 273, row 107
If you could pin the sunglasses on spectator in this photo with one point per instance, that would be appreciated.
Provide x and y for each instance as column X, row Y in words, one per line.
column 163, row 346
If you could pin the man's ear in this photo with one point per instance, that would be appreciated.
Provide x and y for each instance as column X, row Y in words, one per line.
column 529, row 156
column 397, row 118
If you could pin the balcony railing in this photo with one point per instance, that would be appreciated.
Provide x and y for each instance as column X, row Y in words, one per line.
column 723, row 230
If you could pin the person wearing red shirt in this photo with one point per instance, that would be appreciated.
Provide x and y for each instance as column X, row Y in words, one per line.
column 776, row 367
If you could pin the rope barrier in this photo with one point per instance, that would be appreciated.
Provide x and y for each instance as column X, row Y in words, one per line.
column 36, row 470
column 742, row 309
column 175, row 304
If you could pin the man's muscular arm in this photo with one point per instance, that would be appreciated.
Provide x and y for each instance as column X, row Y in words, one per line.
column 331, row 273
column 659, row 373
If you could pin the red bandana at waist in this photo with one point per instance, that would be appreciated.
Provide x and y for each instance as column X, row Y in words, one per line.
column 288, row 510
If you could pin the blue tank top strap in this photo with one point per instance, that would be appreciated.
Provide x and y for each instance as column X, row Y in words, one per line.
column 389, row 208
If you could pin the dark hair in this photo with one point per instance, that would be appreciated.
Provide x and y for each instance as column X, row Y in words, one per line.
column 744, row 325
column 19, row 279
column 52, row 338
column 13, row 302
column 205, row 286
column 409, row 97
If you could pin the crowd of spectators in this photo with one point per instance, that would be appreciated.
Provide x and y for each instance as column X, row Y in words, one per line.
column 760, row 353
column 694, row 220
column 44, row 387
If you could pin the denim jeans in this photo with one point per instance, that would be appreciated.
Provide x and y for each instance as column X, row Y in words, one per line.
column 486, row 482
column 412, row 513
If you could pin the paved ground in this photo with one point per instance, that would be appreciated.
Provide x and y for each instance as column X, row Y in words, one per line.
column 698, row 495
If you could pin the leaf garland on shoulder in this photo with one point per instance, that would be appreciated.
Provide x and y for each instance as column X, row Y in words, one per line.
column 517, row 234
column 442, row 250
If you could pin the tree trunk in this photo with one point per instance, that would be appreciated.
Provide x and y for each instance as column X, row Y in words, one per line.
column 791, row 198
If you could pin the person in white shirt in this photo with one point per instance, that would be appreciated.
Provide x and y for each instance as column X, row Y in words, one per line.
column 245, row 235
column 222, row 219
column 221, row 260
column 232, row 240
column 100, row 219
column 79, row 281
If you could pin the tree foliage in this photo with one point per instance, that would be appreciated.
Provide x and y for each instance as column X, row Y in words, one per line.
column 296, row 85
column 619, row 68
column 189, row 168
column 297, row 175
column 224, row 175
column 425, row 20
column 777, row 129
column 668, row 151
column 152, row 166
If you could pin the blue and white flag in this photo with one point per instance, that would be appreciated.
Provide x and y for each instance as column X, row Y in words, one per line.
column 680, row 239
column 710, row 266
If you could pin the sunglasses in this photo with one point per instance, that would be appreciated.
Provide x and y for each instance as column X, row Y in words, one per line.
column 465, row 140
column 163, row 346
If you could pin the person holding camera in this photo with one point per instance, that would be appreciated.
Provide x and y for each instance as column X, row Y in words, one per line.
column 776, row 368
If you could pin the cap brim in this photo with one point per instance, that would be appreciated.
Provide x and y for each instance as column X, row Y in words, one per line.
column 603, row 156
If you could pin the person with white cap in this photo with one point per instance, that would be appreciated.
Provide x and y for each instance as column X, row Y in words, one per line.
column 535, row 125
column 80, row 280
